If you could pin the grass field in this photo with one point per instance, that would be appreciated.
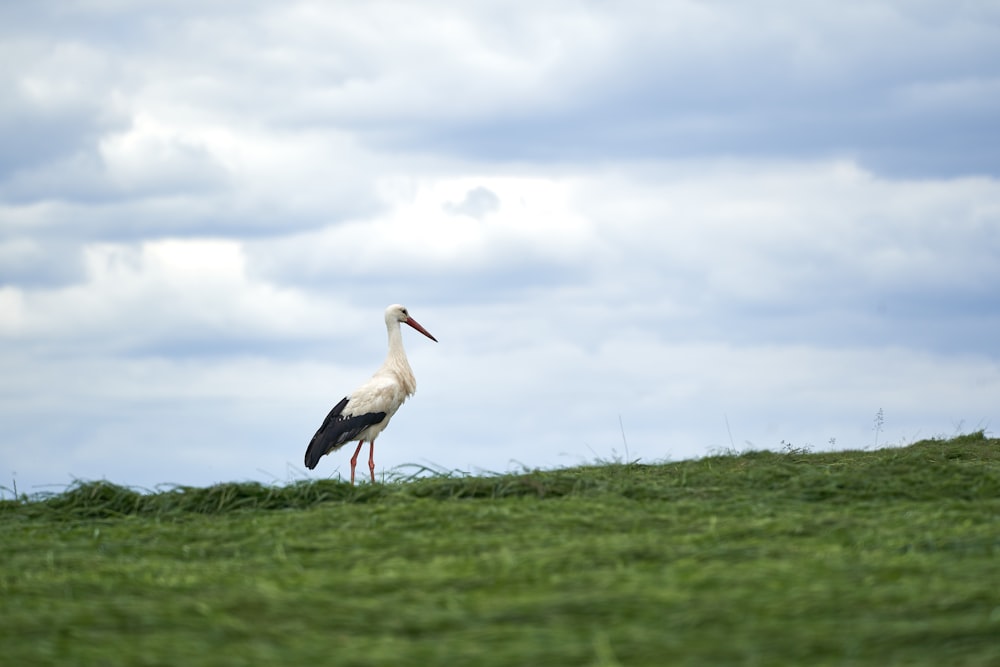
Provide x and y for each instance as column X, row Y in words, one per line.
column 887, row 557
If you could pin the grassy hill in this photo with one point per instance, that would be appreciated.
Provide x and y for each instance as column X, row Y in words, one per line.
column 888, row 557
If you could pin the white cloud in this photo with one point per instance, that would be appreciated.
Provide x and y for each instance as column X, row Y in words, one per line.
column 159, row 291
column 419, row 235
column 477, row 203
column 766, row 234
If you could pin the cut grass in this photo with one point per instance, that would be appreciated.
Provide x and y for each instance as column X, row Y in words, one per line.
column 887, row 557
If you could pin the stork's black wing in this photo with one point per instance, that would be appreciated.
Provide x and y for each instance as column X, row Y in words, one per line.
column 337, row 430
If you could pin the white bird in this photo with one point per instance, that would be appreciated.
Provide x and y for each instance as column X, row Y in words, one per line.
column 366, row 412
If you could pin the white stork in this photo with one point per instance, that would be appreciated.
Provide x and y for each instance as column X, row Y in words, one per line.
column 367, row 411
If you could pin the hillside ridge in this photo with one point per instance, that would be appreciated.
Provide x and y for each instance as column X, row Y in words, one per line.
column 965, row 467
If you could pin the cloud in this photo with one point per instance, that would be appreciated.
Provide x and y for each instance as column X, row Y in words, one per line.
column 129, row 165
column 173, row 293
column 558, row 83
column 535, row 237
column 53, row 107
column 477, row 203
column 678, row 215
column 677, row 297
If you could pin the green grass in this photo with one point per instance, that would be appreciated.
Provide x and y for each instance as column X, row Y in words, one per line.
column 888, row 557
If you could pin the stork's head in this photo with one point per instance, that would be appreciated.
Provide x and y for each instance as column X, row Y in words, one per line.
column 398, row 313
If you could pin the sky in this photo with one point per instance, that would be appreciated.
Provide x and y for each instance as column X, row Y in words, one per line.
column 641, row 231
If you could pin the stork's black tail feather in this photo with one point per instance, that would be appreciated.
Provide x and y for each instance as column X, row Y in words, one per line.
column 337, row 430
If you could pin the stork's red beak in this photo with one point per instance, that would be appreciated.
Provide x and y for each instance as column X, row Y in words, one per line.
column 416, row 325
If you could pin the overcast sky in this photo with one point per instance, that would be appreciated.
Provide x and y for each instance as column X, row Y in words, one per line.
column 643, row 230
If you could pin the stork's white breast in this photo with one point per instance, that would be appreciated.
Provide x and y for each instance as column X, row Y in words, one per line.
column 382, row 393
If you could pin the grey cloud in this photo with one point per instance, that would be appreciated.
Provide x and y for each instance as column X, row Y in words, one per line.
column 33, row 138
column 29, row 262
column 787, row 90
column 477, row 203
column 177, row 171
column 635, row 82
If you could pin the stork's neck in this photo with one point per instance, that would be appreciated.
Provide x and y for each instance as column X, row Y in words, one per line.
column 396, row 360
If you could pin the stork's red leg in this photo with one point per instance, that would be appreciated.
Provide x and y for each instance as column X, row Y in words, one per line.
column 371, row 460
column 354, row 460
